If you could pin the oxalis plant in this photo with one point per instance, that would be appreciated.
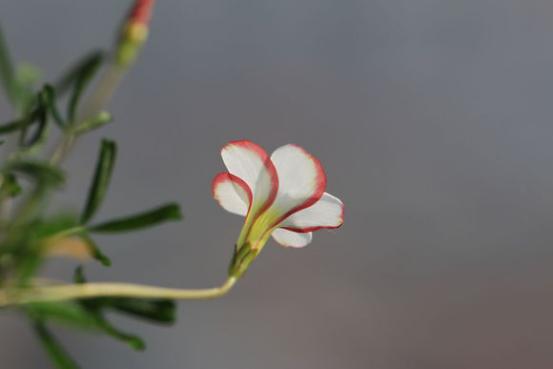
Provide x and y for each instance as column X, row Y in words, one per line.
column 281, row 195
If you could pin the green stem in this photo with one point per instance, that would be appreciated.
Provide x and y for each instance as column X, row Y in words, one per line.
column 91, row 108
column 90, row 290
column 69, row 232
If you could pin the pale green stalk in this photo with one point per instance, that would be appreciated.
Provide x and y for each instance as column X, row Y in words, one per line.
column 18, row 296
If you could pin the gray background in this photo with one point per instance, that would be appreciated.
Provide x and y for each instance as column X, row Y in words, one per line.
column 433, row 120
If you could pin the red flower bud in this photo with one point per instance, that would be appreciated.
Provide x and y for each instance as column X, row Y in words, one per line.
column 141, row 12
column 134, row 32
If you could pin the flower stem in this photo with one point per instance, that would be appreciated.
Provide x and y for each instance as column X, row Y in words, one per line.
column 90, row 290
column 92, row 106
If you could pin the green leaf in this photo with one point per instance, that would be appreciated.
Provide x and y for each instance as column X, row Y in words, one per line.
column 27, row 248
column 156, row 310
column 55, row 351
column 68, row 79
column 130, row 339
column 12, row 126
column 64, row 312
column 42, row 105
column 49, row 96
column 97, row 254
column 81, row 315
column 10, row 187
column 165, row 213
column 40, row 114
column 7, row 71
column 42, row 172
column 96, row 307
column 100, row 182
column 82, row 78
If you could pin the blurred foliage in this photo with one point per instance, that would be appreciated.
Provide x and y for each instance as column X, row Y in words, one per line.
column 29, row 233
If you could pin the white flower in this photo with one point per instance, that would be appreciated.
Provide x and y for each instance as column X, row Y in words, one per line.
column 281, row 196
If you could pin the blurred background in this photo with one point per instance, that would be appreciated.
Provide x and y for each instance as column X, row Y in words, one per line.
column 433, row 119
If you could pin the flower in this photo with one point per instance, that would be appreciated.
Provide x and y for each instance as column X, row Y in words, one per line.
column 282, row 196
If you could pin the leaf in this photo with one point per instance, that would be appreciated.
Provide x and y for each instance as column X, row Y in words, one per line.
column 68, row 79
column 156, row 310
column 82, row 78
column 49, row 95
column 100, row 182
column 165, row 213
column 12, row 126
column 37, row 113
column 64, row 312
column 42, row 172
column 55, row 351
column 7, row 72
column 132, row 340
column 96, row 306
column 42, row 106
column 27, row 247
column 40, row 114
column 96, row 252
column 10, row 186
column 81, row 315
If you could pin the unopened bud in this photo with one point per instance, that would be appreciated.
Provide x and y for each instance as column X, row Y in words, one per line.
column 134, row 32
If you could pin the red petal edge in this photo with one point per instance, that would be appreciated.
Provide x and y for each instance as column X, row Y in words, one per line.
column 224, row 177
column 316, row 228
column 269, row 166
column 319, row 189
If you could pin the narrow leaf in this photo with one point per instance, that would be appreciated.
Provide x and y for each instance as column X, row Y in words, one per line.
column 68, row 79
column 82, row 78
column 7, row 72
column 55, row 351
column 65, row 312
column 41, row 172
column 41, row 115
column 12, row 126
column 100, row 182
column 165, row 213
column 50, row 99
column 132, row 340
column 96, row 252
column 156, row 310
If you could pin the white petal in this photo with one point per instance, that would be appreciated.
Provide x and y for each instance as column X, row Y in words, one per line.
column 249, row 162
column 328, row 212
column 291, row 239
column 301, row 180
column 231, row 193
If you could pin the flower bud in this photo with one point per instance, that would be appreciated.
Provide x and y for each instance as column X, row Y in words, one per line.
column 134, row 32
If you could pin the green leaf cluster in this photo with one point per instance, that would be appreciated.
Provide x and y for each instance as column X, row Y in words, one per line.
column 28, row 177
